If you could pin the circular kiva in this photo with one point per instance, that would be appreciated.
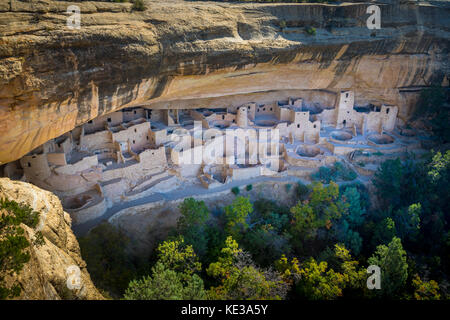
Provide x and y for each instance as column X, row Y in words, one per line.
column 308, row 151
column 380, row 139
column 341, row 135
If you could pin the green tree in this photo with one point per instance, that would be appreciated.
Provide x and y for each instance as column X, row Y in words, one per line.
column 408, row 221
column 236, row 215
column 356, row 211
column 110, row 265
column 320, row 211
column 174, row 276
column 192, row 224
column 439, row 167
column 432, row 108
column 266, row 244
column 388, row 182
column 177, row 256
column 324, row 280
column 317, row 282
column 166, row 284
column 241, row 279
column 394, row 269
column 349, row 237
column 193, row 213
column 425, row 290
column 384, row 232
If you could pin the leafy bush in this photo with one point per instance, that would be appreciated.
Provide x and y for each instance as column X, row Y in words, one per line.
column 138, row 5
column 302, row 190
column 311, row 31
column 14, row 245
column 235, row 190
column 343, row 172
column 110, row 265
column 173, row 277
column 249, row 187
column 324, row 175
column 338, row 172
column 432, row 108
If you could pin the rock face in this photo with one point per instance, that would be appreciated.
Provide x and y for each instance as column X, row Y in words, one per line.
column 180, row 54
column 45, row 275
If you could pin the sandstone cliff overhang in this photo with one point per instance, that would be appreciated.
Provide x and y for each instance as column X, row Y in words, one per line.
column 191, row 54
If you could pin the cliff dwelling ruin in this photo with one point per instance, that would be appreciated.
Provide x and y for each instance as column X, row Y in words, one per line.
column 138, row 152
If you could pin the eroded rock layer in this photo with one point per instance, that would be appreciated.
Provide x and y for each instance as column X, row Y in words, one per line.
column 45, row 276
column 204, row 54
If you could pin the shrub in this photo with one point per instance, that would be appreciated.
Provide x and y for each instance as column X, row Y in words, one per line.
column 324, row 174
column 338, row 172
column 14, row 253
column 378, row 153
column 249, row 187
column 344, row 172
column 301, row 190
column 235, row 190
column 138, row 5
column 110, row 265
column 311, row 31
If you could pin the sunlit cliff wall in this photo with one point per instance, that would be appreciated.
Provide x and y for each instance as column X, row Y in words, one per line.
column 198, row 54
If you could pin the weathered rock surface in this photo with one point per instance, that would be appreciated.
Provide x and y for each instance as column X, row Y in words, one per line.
column 189, row 54
column 45, row 275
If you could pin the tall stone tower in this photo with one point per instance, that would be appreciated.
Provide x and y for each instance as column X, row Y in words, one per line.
column 344, row 109
column 241, row 117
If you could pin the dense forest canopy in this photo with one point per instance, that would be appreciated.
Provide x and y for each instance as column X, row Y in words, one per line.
column 318, row 249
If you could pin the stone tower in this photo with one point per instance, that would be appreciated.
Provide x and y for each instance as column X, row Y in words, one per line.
column 241, row 117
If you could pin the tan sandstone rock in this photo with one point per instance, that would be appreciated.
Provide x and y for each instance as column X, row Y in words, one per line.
column 188, row 54
column 45, row 275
